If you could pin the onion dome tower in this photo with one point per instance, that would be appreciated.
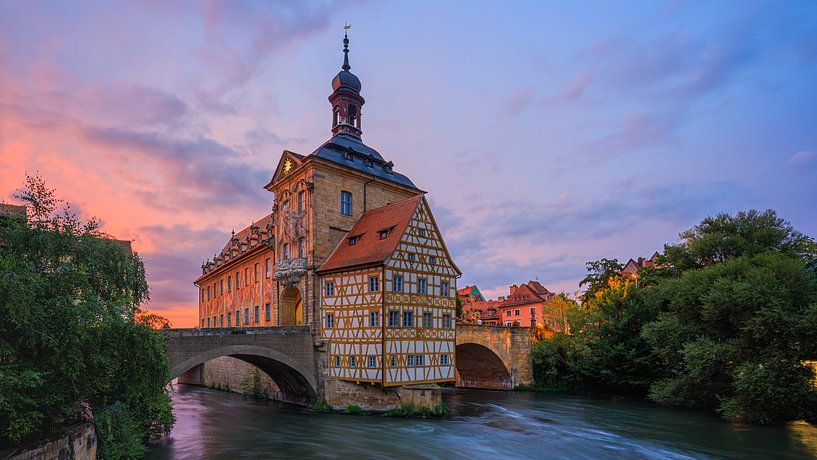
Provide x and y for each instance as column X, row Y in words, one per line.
column 345, row 98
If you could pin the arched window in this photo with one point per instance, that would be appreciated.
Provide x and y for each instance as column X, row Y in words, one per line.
column 335, row 114
column 351, row 114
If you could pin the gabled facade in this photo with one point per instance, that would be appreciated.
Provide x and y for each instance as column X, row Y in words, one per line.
column 316, row 199
column 524, row 305
column 631, row 268
column 388, row 300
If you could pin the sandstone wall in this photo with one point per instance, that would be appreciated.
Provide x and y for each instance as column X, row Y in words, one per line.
column 77, row 443
column 227, row 373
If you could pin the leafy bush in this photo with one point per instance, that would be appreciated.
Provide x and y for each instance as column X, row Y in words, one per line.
column 352, row 409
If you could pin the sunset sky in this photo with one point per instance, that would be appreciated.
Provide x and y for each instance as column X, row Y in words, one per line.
column 546, row 133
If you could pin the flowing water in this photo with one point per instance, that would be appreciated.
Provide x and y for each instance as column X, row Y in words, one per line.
column 482, row 424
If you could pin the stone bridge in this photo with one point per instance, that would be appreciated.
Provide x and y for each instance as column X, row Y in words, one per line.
column 494, row 357
column 287, row 354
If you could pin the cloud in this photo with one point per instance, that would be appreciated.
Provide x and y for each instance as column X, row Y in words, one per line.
column 803, row 158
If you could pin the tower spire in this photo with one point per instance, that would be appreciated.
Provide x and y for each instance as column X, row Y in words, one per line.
column 345, row 98
column 346, row 65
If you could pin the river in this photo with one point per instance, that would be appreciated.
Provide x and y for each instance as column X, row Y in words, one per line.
column 482, row 424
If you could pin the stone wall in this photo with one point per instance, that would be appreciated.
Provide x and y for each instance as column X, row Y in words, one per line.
column 77, row 443
column 512, row 345
column 227, row 373
column 372, row 397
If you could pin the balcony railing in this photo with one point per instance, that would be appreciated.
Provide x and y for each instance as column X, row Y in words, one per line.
column 288, row 271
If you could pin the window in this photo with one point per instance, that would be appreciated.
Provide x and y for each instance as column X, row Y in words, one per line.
column 516, row 312
column 208, row 292
column 408, row 319
column 428, row 320
column 255, row 272
column 346, row 203
column 236, row 281
column 266, row 268
column 373, row 319
column 301, row 195
column 246, row 275
column 533, row 311
column 330, row 289
column 351, row 361
column 257, row 316
column 229, row 319
column 393, row 361
column 422, row 233
column 330, row 320
column 410, row 360
column 372, row 362
column 446, row 321
column 374, row 284
column 267, row 312
column 394, row 318
column 444, row 289
column 237, row 318
column 246, row 316
column 421, row 285
column 337, row 361
column 508, row 313
column 383, row 234
column 444, row 360
column 432, row 260
column 230, row 283
column 214, row 321
column 301, row 247
column 221, row 320
column 353, row 239
column 285, row 251
column 221, row 286
column 411, row 257
column 208, row 322
column 419, row 360
column 202, row 323
column 398, row 284
column 201, row 296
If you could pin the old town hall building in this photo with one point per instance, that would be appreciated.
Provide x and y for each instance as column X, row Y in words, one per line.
column 350, row 248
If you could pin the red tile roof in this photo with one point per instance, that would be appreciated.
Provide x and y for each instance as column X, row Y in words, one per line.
column 369, row 248
column 483, row 308
column 262, row 224
column 524, row 295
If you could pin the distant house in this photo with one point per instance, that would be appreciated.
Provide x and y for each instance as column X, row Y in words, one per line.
column 524, row 305
column 485, row 312
column 632, row 266
column 470, row 294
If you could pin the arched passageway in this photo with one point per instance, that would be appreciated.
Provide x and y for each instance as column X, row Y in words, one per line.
column 291, row 310
column 295, row 387
column 479, row 367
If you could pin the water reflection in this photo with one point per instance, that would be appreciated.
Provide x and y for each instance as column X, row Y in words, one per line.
column 483, row 424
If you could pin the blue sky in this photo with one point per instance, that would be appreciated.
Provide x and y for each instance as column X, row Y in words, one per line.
column 546, row 133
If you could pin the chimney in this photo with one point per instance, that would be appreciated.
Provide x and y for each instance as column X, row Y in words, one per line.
column 512, row 288
column 501, row 298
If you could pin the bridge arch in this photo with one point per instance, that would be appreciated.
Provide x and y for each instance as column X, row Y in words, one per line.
column 479, row 367
column 285, row 354
column 296, row 385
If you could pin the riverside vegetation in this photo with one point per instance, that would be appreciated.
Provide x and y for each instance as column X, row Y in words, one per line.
column 74, row 345
column 726, row 321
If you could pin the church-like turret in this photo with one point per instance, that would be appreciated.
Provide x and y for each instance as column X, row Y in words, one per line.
column 345, row 98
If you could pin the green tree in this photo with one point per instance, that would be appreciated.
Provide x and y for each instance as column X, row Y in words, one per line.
column 599, row 273
column 70, row 340
column 735, row 336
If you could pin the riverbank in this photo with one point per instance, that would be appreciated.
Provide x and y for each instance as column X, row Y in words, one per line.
column 480, row 424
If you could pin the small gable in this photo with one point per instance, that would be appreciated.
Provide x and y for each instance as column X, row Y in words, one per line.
column 290, row 161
